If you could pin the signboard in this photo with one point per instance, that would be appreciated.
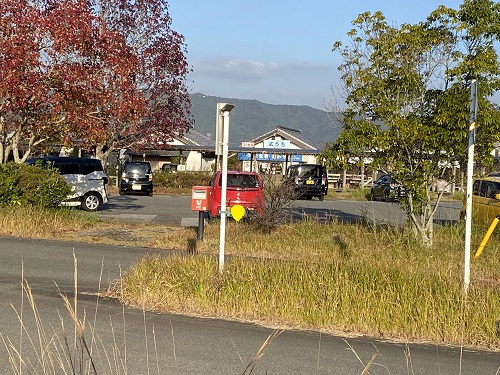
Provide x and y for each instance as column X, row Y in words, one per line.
column 244, row 156
column 276, row 143
column 247, row 156
column 247, row 144
column 270, row 157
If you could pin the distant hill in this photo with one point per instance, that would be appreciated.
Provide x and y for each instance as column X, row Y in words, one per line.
column 251, row 118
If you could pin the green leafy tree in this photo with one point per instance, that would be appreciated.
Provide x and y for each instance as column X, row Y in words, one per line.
column 407, row 93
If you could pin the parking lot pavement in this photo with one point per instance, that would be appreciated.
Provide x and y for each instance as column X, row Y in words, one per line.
column 160, row 209
column 176, row 210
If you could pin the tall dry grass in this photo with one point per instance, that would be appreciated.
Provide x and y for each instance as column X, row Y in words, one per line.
column 336, row 277
column 34, row 221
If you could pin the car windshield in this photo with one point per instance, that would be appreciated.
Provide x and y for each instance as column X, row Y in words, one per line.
column 489, row 189
column 305, row 171
column 241, row 181
column 139, row 168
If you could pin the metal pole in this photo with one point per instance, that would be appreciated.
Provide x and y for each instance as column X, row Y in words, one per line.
column 201, row 225
column 225, row 141
column 470, row 171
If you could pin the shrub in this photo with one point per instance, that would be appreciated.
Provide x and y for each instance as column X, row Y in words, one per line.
column 181, row 180
column 31, row 185
column 278, row 195
column 9, row 189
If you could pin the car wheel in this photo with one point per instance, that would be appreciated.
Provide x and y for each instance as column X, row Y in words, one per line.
column 386, row 196
column 150, row 193
column 122, row 192
column 91, row 202
column 321, row 197
column 372, row 195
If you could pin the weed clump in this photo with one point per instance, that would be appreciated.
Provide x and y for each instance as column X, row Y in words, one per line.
column 30, row 185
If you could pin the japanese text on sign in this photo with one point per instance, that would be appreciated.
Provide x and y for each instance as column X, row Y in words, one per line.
column 276, row 143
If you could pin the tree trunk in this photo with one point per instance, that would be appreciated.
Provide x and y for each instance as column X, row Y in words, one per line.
column 362, row 182
column 102, row 152
column 422, row 226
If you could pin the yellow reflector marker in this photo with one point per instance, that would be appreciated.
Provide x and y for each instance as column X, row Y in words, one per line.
column 487, row 236
column 237, row 212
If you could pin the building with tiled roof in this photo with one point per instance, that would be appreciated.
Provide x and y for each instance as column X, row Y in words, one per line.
column 271, row 152
column 193, row 151
column 277, row 149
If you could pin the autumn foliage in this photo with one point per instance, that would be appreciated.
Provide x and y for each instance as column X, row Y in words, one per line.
column 73, row 72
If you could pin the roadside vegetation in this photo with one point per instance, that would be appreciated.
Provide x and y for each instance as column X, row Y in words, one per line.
column 335, row 277
column 180, row 182
column 28, row 185
column 404, row 100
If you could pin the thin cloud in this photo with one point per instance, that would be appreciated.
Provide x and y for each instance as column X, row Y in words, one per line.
column 307, row 65
column 234, row 69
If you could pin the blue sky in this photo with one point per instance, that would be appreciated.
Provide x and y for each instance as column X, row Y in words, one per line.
column 276, row 51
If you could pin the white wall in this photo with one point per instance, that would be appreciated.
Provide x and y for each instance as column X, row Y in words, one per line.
column 195, row 162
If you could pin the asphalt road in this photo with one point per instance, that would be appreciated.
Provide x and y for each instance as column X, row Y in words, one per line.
column 130, row 341
column 176, row 210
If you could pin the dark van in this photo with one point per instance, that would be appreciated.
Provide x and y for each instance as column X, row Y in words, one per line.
column 309, row 180
column 137, row 177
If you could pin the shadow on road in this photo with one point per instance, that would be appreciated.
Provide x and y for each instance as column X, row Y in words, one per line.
column 123, row 203
column 322, row 215
column 371, row 218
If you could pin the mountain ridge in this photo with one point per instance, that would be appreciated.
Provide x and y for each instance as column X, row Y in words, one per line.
column 251, row 118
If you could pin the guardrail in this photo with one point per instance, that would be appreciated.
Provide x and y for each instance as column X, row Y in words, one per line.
column 335, row 181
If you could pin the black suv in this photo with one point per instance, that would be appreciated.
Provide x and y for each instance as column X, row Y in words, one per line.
column 137, row 177
column 310, row 180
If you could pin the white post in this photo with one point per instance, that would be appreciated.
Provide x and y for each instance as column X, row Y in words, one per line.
column 470, row 171
column 224, row 109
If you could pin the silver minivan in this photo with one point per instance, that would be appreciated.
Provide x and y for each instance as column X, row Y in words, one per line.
column 85, row 175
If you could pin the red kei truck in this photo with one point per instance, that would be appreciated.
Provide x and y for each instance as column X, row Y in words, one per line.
column 243, row 188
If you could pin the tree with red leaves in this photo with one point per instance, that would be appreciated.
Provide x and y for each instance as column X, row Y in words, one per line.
column 63, row 74
column 161, row 74
column 72, row 74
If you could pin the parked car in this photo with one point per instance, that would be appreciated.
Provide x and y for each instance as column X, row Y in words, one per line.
column 137, row 177
column 85, row 175
column 485, row 200
column 385, row 188
column 169, row 167
column 309, row 180
column 243, row 188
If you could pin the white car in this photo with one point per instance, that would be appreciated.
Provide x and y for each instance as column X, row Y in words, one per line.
column 85, row 175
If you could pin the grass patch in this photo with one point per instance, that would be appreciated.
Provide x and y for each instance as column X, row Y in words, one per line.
column 336, row 277
column 349, row 194
column 36, row 222
column 333, row 277
column 333, row 296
